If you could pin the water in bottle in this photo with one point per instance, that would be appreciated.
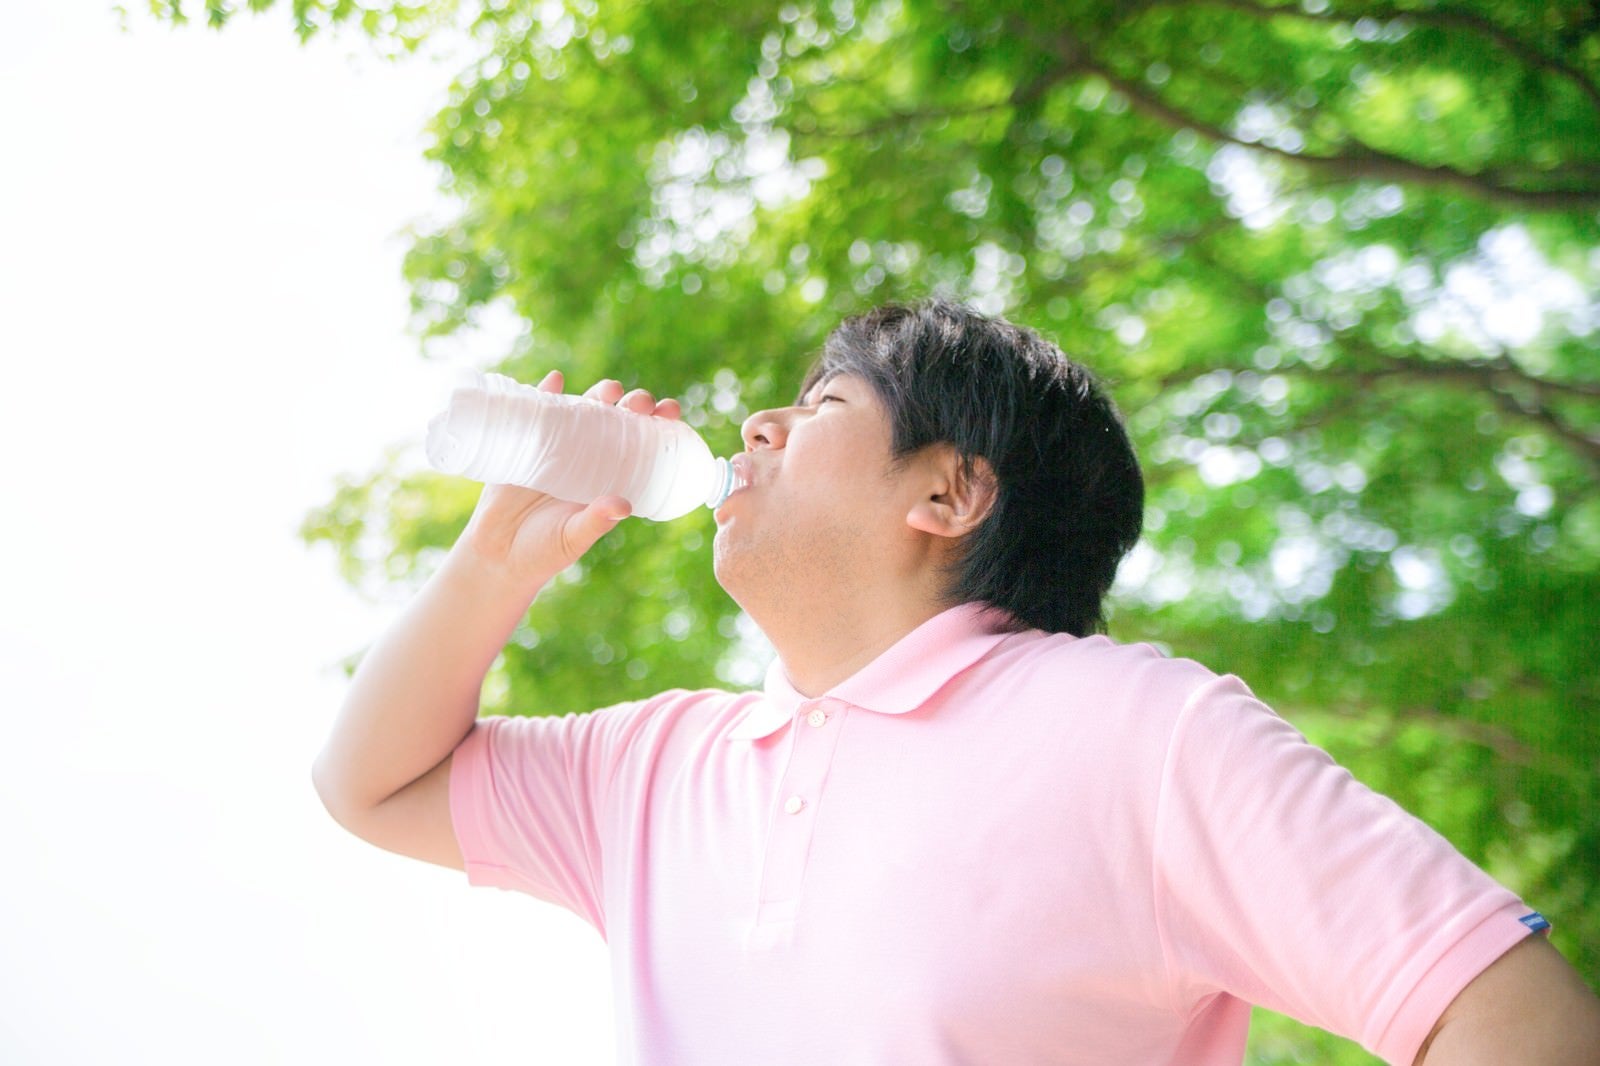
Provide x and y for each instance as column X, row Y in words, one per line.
column 501, row 431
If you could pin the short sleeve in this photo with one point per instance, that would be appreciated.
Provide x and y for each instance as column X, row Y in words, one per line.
column 1283, row 881
column 529, row 799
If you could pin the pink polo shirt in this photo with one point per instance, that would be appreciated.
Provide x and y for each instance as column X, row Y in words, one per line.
column 985, row 847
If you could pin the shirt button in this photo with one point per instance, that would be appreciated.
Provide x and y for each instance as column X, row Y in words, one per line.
column 793, row 805
column 817, row 717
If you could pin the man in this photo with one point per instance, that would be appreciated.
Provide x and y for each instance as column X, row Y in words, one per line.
column 956, row 826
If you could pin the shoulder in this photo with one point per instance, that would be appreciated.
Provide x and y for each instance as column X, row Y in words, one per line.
column 1103, row 706
column 662, row 712
column 620, row 745
column 1135, row 679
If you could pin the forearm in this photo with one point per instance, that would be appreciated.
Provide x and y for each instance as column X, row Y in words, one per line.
column 415, row 695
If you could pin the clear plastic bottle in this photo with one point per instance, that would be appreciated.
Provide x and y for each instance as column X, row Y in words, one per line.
column 500, row 431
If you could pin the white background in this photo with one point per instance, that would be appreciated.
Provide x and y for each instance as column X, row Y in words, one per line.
column 202, row 324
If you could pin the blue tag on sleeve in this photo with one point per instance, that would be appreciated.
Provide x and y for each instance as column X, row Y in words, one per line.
column 1534, row 921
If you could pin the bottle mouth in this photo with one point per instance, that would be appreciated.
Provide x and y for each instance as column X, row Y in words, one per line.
column 732, row 475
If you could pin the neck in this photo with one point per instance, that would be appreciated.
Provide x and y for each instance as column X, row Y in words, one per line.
column 821, row 644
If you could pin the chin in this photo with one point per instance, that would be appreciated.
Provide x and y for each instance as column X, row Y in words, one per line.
column 735, row 567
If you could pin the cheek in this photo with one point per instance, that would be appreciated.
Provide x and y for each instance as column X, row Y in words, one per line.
column 837, row 454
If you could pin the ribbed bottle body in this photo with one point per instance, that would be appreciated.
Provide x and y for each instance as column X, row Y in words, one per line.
column 500, row 431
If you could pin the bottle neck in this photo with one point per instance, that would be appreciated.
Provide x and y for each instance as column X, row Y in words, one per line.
column 725, row 481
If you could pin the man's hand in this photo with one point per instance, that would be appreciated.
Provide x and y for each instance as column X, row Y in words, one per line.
column 1529, row 1008
column 532, row 536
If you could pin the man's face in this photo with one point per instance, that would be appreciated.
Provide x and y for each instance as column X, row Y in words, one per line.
column 824, row 510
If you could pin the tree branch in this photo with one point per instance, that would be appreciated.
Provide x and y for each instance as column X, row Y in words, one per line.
column 1502, row 379
column 1437, row 17
column 1586, row 444
column 1506, row 747
column 1512, row 388
column 1362, row 162
column 893, row 119
column 1484, row 372
column 1485, row 378
column 1491, row 373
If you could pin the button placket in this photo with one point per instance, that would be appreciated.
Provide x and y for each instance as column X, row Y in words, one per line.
column 797, row 799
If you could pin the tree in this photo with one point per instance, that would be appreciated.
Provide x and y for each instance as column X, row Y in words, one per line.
column 1336, row 260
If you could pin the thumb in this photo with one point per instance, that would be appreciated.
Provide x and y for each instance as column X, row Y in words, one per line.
column 594, row 522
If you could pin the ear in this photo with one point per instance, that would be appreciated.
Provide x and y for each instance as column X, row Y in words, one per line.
column 959, row 494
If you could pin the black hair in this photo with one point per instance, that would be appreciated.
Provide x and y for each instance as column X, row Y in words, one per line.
column 1069, row 495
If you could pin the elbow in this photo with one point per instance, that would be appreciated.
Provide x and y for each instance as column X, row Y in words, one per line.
column 342, row 797
column 325, row 780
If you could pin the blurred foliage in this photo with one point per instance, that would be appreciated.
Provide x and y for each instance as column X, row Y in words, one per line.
column 1337, row 261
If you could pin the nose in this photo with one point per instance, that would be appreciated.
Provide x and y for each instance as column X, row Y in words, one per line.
column 764, row 429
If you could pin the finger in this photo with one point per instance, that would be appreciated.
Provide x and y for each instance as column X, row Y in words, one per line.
column 669, row 408
column 552, row 382
column 608, row 390
column 639, row 400
column 592, row 523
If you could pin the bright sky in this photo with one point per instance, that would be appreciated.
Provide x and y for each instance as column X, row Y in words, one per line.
column 203, row 324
